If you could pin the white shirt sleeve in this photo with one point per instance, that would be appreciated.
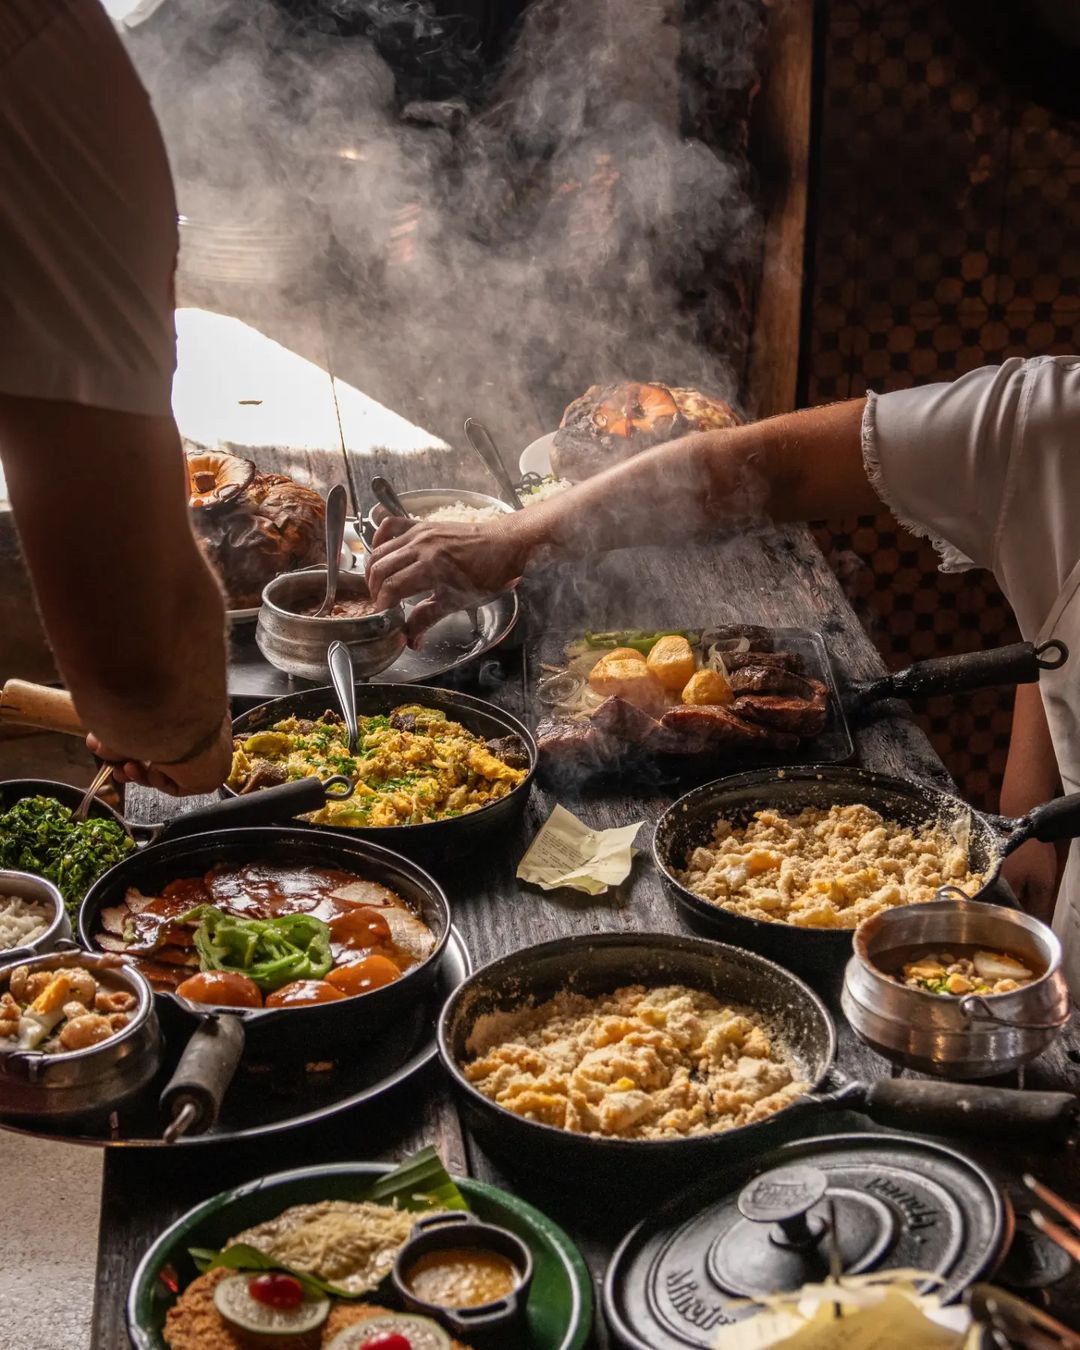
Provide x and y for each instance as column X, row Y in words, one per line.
column 88, row 236
column 989, row 468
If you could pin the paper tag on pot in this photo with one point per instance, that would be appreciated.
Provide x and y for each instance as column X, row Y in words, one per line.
column 566, row 852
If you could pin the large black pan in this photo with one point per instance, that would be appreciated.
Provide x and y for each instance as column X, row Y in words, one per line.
column 600, row 964
column 482, row 718
column 689, row 822
column 319, row 1031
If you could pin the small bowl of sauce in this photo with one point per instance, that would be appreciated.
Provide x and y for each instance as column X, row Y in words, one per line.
column 471, row 1277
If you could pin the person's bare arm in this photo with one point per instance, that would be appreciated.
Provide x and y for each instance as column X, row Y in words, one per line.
column 134, row 615
column 1031, row 777
column 800, row 466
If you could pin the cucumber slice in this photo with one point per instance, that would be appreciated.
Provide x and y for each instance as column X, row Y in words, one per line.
column 420, row 1332
column 235, row 1304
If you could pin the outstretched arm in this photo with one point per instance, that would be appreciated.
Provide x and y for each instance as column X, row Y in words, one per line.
column 800, row 466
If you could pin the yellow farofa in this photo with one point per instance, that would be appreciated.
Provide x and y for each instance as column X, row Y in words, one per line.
column 634, row 1064
column 401, row 777
column 350, row 1244
column 825, row 868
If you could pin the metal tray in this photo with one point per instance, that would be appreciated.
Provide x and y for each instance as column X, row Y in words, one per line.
column 834, row 745
column 252, row 1107
column 451, row 643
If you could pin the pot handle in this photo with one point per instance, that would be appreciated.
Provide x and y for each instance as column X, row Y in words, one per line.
column 192, row 1097
column 259, row 808
column 960, row 1108
column 1018, row 663
column 977, row 1009
column 1059, row 819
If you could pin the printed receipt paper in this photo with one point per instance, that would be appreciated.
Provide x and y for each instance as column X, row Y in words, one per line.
column 566, row 852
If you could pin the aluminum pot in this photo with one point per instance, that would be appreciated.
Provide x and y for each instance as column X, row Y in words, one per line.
column 422, row 501
column 40, row 892
column 971, row 1036
column 83, row 1082
column 297, row 643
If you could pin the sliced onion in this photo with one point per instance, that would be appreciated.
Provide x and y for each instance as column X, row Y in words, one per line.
column 560, row 689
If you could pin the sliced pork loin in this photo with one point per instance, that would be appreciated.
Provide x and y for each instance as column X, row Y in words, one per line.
column 709, row 726
column 734, row 661
column 768, row 680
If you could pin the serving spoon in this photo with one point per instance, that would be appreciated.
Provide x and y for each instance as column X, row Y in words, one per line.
column 337, row 505
column 481, row 441
column 343, row 679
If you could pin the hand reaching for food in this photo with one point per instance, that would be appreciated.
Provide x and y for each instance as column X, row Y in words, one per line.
column 203, row 770
column 458, row 564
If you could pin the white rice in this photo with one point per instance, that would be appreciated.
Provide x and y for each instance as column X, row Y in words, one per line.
column 22, row 921
column 462, row 514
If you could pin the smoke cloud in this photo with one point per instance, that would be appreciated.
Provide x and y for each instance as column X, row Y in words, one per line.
column 488, row 222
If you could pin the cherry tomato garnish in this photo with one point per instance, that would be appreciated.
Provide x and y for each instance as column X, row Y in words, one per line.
column 276, row 1290
column 387, row 1340
column 358, row 977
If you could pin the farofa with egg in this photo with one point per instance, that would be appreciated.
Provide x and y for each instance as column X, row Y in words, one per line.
column 638, row 1063
column 825, row 868
column 411, row 767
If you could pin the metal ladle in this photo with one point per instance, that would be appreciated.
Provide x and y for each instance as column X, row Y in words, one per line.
column 481, row 441
column 337, row 505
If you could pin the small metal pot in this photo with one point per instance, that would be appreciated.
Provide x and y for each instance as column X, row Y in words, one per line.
column 83, row 1082
column 973, row 1036
column 487, row 1324
column 297, row 643
column 39, row 892
column 421, row 501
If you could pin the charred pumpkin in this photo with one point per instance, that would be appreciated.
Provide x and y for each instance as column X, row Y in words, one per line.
column 251, row 525
column 607, row 425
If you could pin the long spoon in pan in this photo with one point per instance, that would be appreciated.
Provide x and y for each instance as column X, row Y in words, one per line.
column 480, row 439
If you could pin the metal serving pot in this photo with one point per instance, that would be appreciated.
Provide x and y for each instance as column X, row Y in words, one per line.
column 309, row 1032
column 792, row 1010
column 689, row 823
column 90, row 1081
column 40, row 892
column 421, row 502
column 297, row 643
column 955, row 1037
column 475, row 714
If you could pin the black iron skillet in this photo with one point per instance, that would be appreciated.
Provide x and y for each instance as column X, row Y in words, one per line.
column 690, row 821
column 316, row 1032
column 795, row 1014
column 476, row 715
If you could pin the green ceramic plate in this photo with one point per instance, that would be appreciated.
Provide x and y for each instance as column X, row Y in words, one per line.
column 560, row 1308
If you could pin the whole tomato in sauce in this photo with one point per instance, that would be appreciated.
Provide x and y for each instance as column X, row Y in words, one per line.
column 361, row 927
column 303, row 992
column 226, row 988
column 359, row 977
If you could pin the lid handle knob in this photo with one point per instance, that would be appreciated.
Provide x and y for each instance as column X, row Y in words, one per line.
column 785, row 1197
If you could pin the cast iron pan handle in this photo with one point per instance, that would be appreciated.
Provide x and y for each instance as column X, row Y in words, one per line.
column 259, row 808
column 930, row 1107
column 1059, row 819
column 192, row 1097
column 1019, row 663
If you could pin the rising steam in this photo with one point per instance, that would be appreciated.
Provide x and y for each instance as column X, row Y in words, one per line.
column 488, row 231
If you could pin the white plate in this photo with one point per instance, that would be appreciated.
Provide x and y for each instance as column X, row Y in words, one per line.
column 536, row 458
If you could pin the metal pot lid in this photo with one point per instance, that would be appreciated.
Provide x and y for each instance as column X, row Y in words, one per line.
column 763, row 1227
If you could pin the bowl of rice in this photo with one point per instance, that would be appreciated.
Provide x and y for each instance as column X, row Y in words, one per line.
column 455, row 506
column 33, row 919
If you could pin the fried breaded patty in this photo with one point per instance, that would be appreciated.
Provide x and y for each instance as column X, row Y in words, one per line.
column 193, row 1323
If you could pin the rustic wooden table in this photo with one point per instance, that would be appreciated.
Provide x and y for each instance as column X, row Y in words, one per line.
column 774, row 578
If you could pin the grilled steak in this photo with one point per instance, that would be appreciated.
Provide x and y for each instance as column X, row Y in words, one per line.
column 623, row 721
column 783, row 712
column 709, row 726
column 767, row 680
column 734, row 661
column 569, row 743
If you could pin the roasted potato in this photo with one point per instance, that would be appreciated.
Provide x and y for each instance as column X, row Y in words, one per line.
column 616, row 654
column 631, row 680
column 707, row 686
column 671, row 660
